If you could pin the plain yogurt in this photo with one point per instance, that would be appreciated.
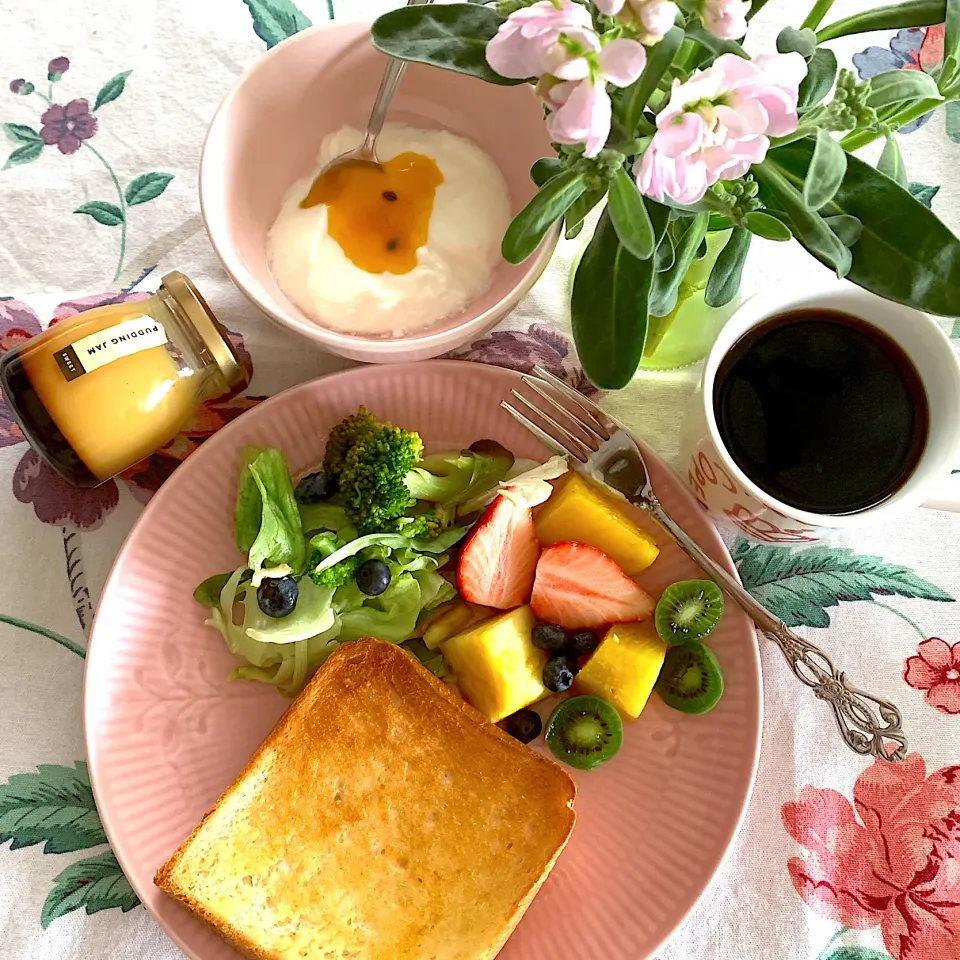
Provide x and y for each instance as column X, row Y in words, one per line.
column 471, row 211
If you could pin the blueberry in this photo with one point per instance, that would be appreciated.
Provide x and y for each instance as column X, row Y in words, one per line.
column 524, row 725
column 315, row 487
column 548, row 637
column 582, row 643
column 558, row 674
column 278, row 597
column 373, row 577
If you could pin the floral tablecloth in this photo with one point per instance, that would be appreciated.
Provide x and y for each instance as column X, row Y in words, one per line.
column 104, row 104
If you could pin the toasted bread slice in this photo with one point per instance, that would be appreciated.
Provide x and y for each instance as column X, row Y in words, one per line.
column 382, row 819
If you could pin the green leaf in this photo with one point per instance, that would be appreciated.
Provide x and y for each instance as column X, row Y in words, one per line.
column 715, row 45
column 21, row 133
column 856, row 953
column 916, row 13
column 111, row 89
column 275, row 20
column 279, row 537
column 25, row 154
column 450, row 36
column 548, row 205
column 546, row 168
column 665, row 256
column 573, row 218
column 54, row 807
column 798, row 586
column 766, row 226
column 825, row 174
column 109, row 214
column 923, row 192
column 820, row 78
column 94, row 884
column 791, row 40
column 891, row 162
column 847, row 228
column 659, row 58
column 148, row 186
column 609, row 308
column 905, row 253
column 208, row 593
column 952, row 111
column 663, row 293
column 900, row 86
column 629, row 216
column 807, row 225
column 951, row 35
column 727, row 272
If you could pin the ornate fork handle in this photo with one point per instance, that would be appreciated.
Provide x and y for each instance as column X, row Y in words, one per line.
column 870, row 725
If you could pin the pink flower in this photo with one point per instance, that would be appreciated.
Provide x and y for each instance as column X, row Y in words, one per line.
column 655, row 16
column 726, row 19
column 580, row 108
column 528, row 39
column 896, row 867
column 936, row 669
column 718, row 124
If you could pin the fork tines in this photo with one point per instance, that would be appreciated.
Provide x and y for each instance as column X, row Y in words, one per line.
column 572, row 434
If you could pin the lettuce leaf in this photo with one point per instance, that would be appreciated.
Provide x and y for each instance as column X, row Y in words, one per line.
column 280, row 536
column 394, row 541
column 392, row 616
column 246, row 514
column 315, row 517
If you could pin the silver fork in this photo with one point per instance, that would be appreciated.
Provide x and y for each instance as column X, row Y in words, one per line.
column 604, row 450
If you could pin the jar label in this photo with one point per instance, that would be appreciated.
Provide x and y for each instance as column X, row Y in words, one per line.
column 103, row 347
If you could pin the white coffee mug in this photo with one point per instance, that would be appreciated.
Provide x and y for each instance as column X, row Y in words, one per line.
column 733, row 498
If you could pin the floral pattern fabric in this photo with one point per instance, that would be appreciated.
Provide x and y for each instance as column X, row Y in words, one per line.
column 103, row 106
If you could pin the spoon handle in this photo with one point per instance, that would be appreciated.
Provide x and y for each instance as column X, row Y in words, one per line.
column 388, row 87
column 869, row 725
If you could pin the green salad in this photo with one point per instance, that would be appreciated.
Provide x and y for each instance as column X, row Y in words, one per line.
column 356, row 549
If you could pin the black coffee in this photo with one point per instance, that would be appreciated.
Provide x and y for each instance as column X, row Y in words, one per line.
column 821, row 410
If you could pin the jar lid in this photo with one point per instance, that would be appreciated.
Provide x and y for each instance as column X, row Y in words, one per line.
column 214, row 336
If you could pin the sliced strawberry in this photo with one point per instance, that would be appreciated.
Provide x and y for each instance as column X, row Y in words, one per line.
column 499, row 558
column 579, row 586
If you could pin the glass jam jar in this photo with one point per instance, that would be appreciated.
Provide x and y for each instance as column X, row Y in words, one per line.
column 98, row 392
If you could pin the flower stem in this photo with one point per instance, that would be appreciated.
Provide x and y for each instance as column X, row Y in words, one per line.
column 902, row 616
column 756, row 7
column 330, row 13
column 860, row 138
column 120, row 201
column 44, row 632
column 814, row 18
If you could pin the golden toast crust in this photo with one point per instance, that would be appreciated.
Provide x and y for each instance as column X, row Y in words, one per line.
column 382, row 817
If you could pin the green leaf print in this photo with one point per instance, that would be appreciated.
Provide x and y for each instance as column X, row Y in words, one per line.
column 54, row 806
column 109, row 214
column 111, row 89
column 24, row 154
column 94, row 884
column 275, row 20
column 952, row 112
column 856, row 953
column 21, row 133
column 799, row 585
column 924, row 192
column 148, row 186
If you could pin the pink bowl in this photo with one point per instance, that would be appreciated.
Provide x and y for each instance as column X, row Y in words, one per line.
column 267, row 133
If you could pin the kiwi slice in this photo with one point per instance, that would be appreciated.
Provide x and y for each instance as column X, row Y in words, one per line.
column 689, row 610
column 584, row 732
column 690, row 679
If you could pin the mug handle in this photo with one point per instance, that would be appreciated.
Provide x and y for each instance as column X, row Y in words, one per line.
column 946, row 496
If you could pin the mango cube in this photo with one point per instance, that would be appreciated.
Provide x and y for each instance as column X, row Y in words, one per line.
column 582, row 511
column 448, row 624
column 496, row 665
column 625, row 666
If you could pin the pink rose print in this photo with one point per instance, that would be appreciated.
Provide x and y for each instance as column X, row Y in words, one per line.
column 936, row 669
column 891, row 859
column 17, row 323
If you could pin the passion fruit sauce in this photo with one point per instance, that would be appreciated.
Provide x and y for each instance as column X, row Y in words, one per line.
column 379, row 214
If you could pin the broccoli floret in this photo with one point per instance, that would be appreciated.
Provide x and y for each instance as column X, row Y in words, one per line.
column 372, row 476
column 337, row 575
column 424, row 526
column 344, row 435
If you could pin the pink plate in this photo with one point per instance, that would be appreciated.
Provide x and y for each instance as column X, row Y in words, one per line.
column 166, row 733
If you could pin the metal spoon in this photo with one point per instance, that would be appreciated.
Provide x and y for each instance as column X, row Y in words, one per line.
column 366, row 153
